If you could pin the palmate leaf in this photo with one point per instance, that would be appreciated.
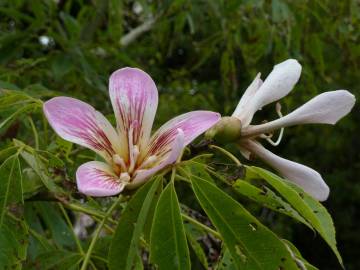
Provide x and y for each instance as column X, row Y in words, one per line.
column 33, row 160
column 58, row 259
column 13, row 243
column 312, row 211
column 10, row 184
column 168, row 245
column 251, row 244
column 124, row 249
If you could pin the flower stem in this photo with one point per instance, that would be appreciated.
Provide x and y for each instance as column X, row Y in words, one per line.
column 199, row 224
column 68, row 221
column 226, row 153
column 36, row 136
column 97, row 233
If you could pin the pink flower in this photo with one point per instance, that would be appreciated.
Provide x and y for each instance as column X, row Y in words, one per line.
column 326, row 108
column 131, row 153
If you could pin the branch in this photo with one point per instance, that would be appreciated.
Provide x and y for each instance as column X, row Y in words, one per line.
column 136, row 32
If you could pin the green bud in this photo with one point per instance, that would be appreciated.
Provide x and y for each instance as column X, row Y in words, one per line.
column 227, row 130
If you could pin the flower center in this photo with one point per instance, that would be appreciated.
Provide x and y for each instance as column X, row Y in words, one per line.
column 126, row 170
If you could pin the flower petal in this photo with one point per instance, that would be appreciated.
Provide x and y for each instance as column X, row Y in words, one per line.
column 247, row 96
column 278, row 84
column 326, row 108
column 305, row 177
column 175, row 150
column 96, row 178
column 192, row 124
column 80, row 123
column 134, row 98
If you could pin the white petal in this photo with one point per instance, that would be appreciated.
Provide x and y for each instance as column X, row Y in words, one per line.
column 278, row 84
column 247, row 96
column 97, row 179
column 170, row 158
column 326, row 108
column 305, row 177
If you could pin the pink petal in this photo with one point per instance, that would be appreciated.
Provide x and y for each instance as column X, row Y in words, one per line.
column 96, row 178
column 247, row 96
column 175, row 150
column 326, row 108
column 134, row 98
column 305, row 177
column 78, row 122
column 192, row 124
column 277, row 85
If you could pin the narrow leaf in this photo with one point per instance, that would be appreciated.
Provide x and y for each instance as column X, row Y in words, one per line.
column 251, row 244
column 309, row 208
column 267, row 198
column 124, row 247
column 168, row 246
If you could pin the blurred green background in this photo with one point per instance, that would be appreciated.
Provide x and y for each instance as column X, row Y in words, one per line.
column 203, row 54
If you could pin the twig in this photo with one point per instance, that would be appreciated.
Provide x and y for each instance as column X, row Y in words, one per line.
column 97, row 233
column 136, row 32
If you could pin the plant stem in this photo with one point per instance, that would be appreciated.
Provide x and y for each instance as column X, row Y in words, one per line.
column 199, row 224
column 97, row 233
column 36, row 136
column 68, row 221
column 226, row 153
column 85, row 210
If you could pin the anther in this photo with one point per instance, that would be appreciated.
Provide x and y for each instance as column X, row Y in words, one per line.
column 148, row 162
column 133, row 158
column 124, row 177
column 119, row 161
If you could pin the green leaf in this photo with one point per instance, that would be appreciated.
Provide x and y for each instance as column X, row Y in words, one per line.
column 13, row 243
column 14, row 115
column 168, row 246
column 58, row 259
column 53, row 219
column 10, row 184
column 40, row 169
column 196, row 247
column 125, row 244
column 226, row 262
column 308, row 207
column 298, row 257
column 251, row 244
column 267, row 198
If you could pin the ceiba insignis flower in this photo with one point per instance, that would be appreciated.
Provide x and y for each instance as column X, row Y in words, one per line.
column 132, row 155
column 326, row 108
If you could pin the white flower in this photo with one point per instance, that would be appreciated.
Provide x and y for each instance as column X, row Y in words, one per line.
column 326, row 108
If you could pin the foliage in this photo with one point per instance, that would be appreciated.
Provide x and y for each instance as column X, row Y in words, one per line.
column 202, row 54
